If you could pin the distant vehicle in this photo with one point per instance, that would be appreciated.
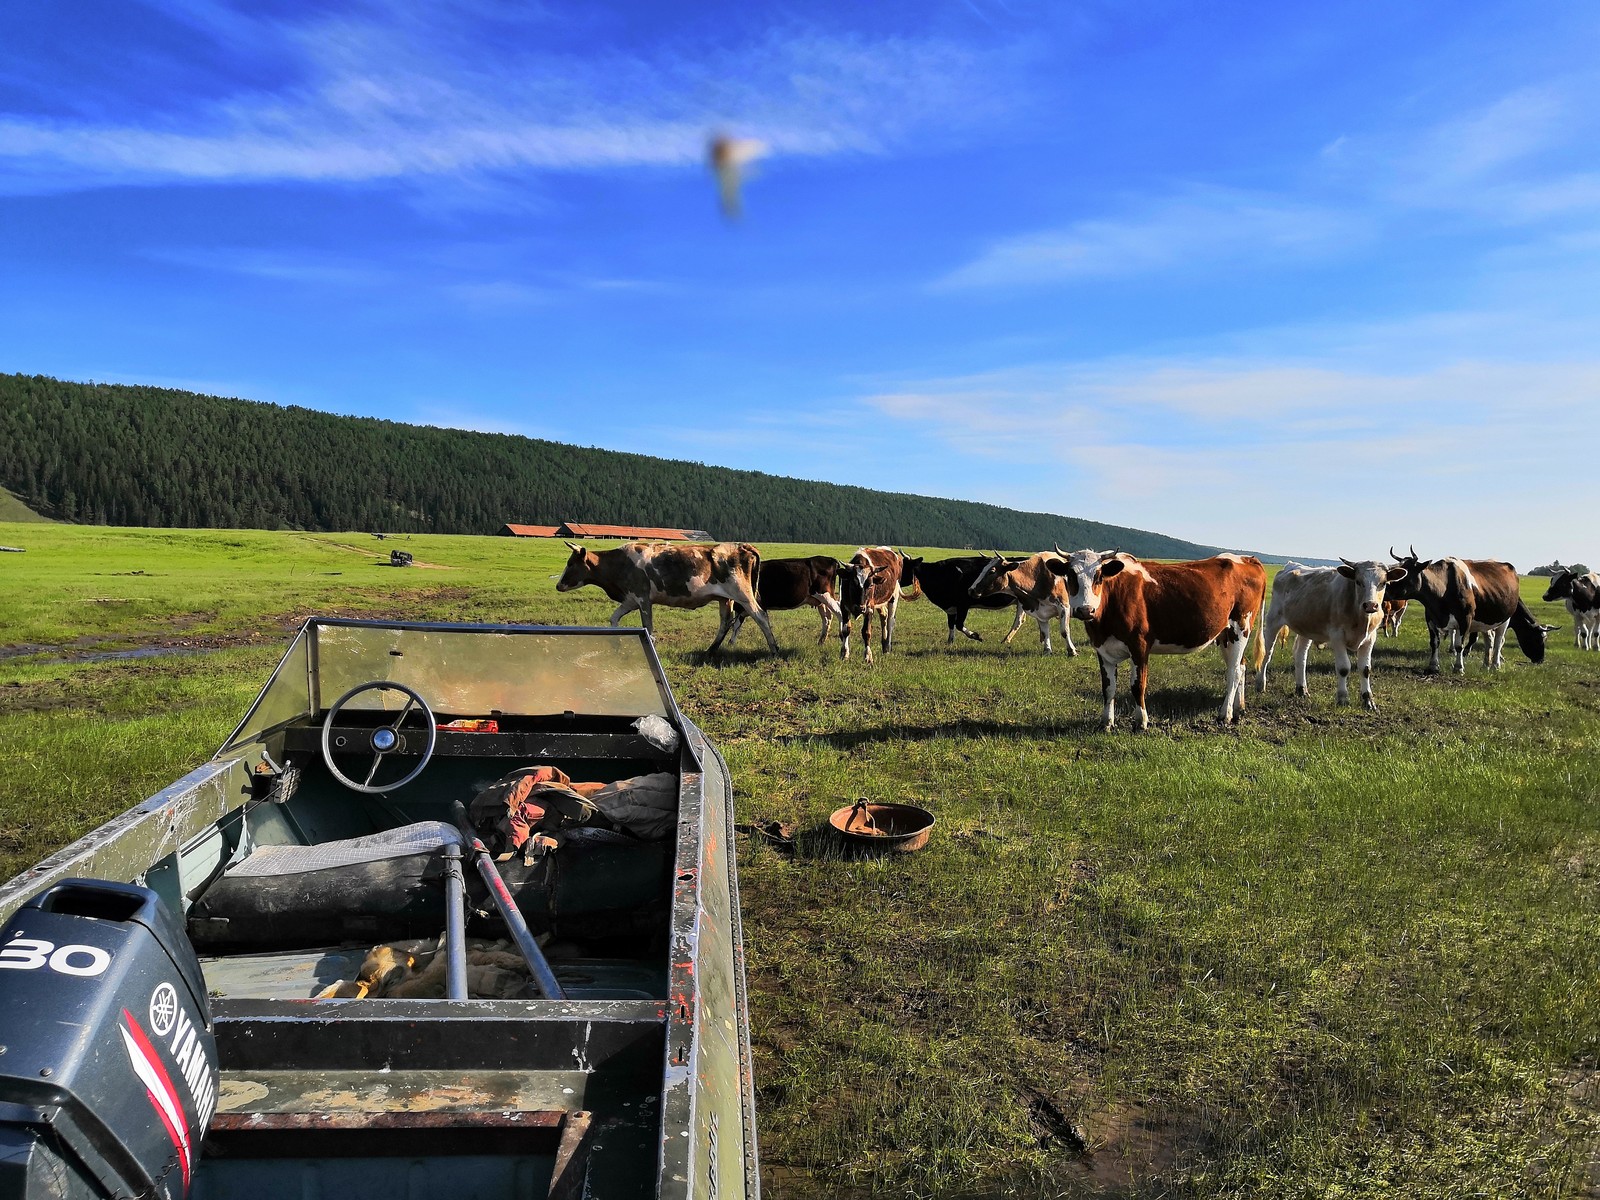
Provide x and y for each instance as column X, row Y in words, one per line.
column 189, row 1005
column 400, row 558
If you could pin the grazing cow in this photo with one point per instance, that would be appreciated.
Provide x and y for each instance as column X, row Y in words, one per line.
column 1040, row 594
column 643, row 574
column 870, row 583
column 1582, row 596
column 1394, row 611
column 1341, row 607
column 790, row 583
column 1134, row 609
column 948, row 584
column 1466, row 597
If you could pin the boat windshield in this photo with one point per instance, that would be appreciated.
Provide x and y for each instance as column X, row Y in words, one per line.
column 472, row 671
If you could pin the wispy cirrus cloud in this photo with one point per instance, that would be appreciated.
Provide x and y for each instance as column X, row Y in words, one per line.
column 421, row 91
column 1520, row 159
column 1197, row 227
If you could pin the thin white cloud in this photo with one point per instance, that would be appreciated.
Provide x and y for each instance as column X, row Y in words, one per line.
column 1298, row 457
column 421, row 93
column 1195, row 229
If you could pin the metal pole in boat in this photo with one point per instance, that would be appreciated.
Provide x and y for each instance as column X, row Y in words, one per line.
column 543, row 976
column 455, row 924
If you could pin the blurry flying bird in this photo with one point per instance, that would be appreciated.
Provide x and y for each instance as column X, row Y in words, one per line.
column 729, row 156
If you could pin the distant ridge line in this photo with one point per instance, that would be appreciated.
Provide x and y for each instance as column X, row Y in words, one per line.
column 121, row 454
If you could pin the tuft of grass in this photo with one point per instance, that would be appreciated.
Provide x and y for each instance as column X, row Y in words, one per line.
column 1322, row 953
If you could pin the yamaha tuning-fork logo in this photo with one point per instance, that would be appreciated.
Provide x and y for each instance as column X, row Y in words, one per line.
column 163, row 1009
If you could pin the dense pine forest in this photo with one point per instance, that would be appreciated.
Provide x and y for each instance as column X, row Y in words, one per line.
column 117, row 455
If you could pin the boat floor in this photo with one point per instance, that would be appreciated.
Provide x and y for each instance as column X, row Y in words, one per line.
column 301, row 974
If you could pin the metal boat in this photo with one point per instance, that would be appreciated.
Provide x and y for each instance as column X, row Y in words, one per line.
column 336, row 821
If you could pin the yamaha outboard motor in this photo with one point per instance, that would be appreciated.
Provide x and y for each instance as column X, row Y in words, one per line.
column 108, row 1068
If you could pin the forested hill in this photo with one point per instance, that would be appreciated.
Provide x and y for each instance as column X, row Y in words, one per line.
column 118, row 455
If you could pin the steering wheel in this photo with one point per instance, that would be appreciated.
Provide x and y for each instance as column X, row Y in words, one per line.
column 379, row 741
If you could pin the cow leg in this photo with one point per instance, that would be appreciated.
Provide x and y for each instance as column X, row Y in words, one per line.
column 951, row 621
column 961, row 615
column 844, row 635
column 725, row 608
column 1044, row 633
column 829, row 608
column 1066, row 635
column 1461, row 645
column 623, row 609
column 866, row 634
column 888, row 621
column 1433, row 649
column 760, row 617
column 1233, row 659
column 1364, row 660
column 1302, row 652
column 1341, row 667
column 733, row 634
column 1016, row 624
column 1140, row 667
column 1108, row 691
column 1270, row 644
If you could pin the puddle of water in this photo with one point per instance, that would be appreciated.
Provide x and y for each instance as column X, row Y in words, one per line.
column 67, row 654
column 142, row 652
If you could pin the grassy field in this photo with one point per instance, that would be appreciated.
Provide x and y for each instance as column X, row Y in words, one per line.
column 1326, row 953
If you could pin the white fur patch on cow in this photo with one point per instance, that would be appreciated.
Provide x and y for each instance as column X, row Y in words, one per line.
column 1114, row 650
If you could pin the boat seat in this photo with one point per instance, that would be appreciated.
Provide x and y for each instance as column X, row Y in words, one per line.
column 389, row 886
column 379, row 887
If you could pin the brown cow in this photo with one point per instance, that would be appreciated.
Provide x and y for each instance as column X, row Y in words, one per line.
column 870, row 583
column 1038, row 593
column 1134, row 609
column 643, row 574
column 790, row 583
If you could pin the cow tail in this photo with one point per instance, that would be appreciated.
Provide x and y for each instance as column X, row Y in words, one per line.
column 1529, row 636
column 1258, row 631
column 755, row 571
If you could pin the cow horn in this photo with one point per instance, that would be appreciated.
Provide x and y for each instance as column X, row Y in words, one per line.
column 575, row 547
column 1392, row 554
column 1413, row 550
column 1346, row 561
column 1059, row 551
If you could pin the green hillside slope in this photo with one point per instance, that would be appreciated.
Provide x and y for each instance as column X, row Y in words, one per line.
column 119, row 455
column 12, row 509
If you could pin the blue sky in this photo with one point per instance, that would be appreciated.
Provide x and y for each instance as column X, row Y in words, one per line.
column 1302, row 278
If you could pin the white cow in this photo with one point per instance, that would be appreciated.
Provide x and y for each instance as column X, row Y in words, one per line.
column 1340, row 607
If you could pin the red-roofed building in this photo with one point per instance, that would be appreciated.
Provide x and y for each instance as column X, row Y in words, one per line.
column 530, row 531
column 631, row 533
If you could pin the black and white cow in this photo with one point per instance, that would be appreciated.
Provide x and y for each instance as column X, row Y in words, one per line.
column 640, row 575
column 1581, row 594
column 947, row 584
column 1464, row 597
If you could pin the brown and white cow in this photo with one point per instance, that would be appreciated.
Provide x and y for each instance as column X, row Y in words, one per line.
column 1468, row 596
column 1339, row 607
column 1040, row 594
column 1394, row 612
column 870, row 583
column 790, row 583
column 1134, row 609
column 640, row 575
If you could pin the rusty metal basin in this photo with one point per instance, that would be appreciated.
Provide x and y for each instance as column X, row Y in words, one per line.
column 897, row 828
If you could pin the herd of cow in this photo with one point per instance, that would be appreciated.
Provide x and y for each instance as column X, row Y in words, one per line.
column 1130, row 609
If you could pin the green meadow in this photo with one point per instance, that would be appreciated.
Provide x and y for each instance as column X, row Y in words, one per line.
column 1325, row 953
